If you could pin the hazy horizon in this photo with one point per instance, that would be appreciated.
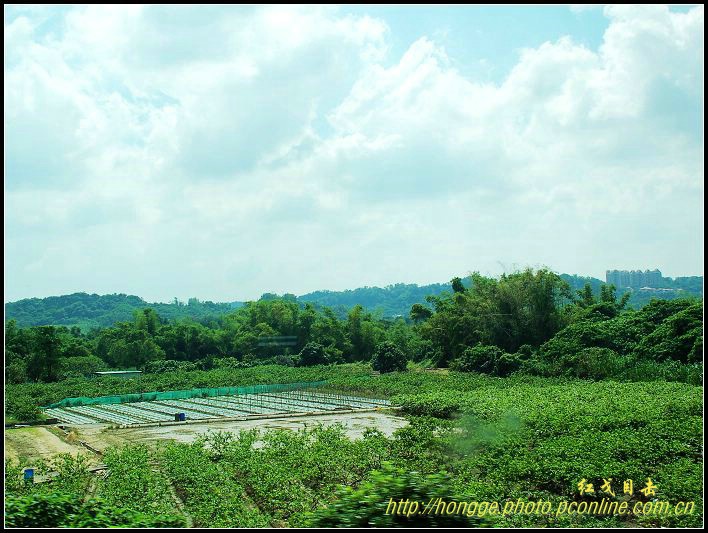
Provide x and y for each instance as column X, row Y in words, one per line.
column 261, row 293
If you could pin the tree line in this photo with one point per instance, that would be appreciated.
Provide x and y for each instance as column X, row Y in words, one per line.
column 530, row 321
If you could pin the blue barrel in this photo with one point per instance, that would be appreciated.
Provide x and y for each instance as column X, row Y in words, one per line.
column 29, row 474
column 180, row 417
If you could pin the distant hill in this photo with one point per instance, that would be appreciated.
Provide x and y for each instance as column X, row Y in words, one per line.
column 93, row 310
column 390, row 301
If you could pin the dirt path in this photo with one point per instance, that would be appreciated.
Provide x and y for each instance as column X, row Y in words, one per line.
column 37, row 442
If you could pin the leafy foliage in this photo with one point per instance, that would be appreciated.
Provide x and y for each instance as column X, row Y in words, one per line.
column 388, row 358
column 368, row 505
column 470, row 436
column 597, row 346
column 62, row 510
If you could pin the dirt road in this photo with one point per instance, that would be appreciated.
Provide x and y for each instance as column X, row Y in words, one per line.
column 37, row 443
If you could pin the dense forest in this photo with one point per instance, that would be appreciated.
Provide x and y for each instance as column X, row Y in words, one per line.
column 92, row 310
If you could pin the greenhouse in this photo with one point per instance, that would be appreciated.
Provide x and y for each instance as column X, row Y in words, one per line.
column 206, row 404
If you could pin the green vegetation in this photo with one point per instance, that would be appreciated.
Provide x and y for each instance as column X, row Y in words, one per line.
column 470, row 437
column 390, row 301
column 92, row 310
column 688, row 287
column 516, row 387
column 65, row 501
column 388, row 358
column 528, row 321
column 89, row 311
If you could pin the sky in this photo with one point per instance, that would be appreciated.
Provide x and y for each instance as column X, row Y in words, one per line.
column 224, row 152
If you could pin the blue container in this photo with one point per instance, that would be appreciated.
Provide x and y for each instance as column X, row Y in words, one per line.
column 29, row 474
column 182, row 417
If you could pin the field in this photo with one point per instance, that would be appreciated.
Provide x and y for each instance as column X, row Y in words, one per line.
column 28, row 444
column 213, row 408
column 470, row 437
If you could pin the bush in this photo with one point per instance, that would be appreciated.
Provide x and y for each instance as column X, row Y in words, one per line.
column 168, row 365
column 62, row 510
column 24, row 410
column 231, row 363
column 373, row 504
column 284, row 360
column 478, row 359
column 679, row 337
column 507, row 363
column 595, row 363
column 388, row 358
column 16, row 372
column 77, row 367
column 313, row 353
column 599, row 347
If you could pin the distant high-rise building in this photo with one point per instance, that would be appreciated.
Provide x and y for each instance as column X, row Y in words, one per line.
column 634, row 278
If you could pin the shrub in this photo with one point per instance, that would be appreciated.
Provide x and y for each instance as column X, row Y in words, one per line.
column 313, row 353
column 373, row 504
column 168, row 365
column 62, row 510
column 478, row 359
column 16, row 372
column 25, row 410
column 231, row 363
column 77, row 367
column 388, row 358
column 507, row 363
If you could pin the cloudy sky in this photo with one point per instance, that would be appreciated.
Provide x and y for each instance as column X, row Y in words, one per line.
column 223, row 152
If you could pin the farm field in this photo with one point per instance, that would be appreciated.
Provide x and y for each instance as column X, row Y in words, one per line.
column 469, row 436
column 242, row 406
column 35, row 443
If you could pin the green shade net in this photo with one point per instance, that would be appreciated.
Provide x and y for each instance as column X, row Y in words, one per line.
column 185, row 394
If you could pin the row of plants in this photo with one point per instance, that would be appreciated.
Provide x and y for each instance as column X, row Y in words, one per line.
column 472, row 437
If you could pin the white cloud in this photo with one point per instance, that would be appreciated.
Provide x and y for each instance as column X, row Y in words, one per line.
column 227, row 152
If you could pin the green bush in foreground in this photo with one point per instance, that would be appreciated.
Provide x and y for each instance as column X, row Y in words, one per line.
column 63, row 510
column 377, row 502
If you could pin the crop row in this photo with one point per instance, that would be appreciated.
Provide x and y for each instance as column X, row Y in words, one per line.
column 203, row 408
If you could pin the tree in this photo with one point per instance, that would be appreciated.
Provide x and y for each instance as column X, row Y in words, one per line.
column 43, row 361
column 419, row 313
column 586, row 297
column 389, row 358
column 356, row 335
column 457, row 285
column 147, row 320
column 16, row 372
column 519, row 308
column 313, row 353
